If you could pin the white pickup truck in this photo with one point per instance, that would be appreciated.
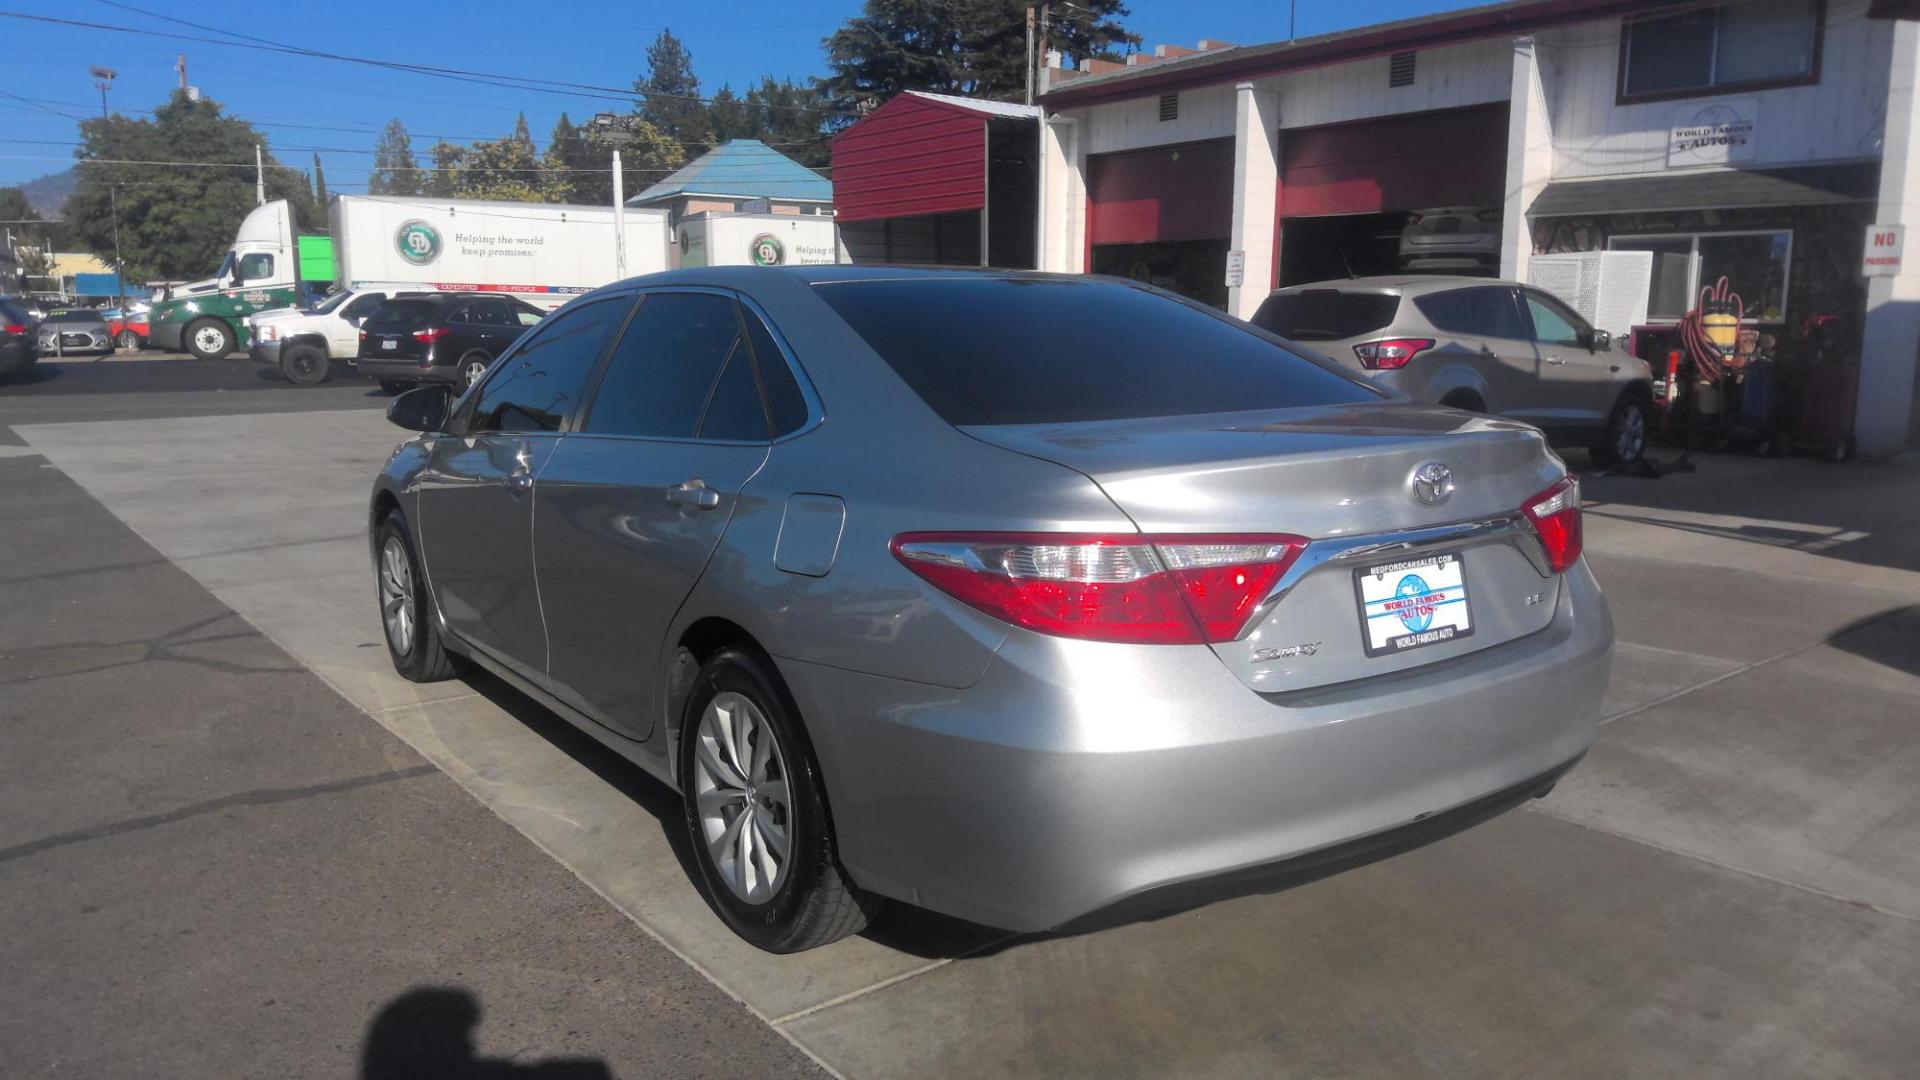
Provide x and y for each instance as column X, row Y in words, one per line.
column 304, row 344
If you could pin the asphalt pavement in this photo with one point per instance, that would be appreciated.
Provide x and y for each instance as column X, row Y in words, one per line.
column 209, row 739
column 213, row 865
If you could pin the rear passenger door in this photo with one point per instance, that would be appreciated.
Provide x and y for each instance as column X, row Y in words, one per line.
column 492, row 326
column 635, row 500
column 1486, row 334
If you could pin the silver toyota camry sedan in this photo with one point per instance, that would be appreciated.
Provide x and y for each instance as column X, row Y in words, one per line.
column 1034, row 600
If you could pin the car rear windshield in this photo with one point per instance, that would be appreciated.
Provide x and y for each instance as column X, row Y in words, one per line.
column 13, row 314
column 1326, row 314
column 405, row 314
column 1048, row 350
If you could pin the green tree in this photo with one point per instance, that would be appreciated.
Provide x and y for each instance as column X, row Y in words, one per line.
column 178, row 211
column 669, row 94
column 791, row 117
column 646, row 155
column 319, row 184
column 730, row 117
column 975, row 48
column 506, row 169
column 444, row 181
column 32, row 237
column 395, row 171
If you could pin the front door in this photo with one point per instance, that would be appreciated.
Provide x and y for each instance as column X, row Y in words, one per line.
column 477, row 492
column 1576, row 379
column 634, row 503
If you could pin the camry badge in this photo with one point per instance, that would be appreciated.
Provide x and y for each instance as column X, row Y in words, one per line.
column 1432, row 483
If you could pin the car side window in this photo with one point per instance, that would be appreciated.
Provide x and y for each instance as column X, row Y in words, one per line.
column 1553, row 324
column 539, row 385
column 785, row 403
column 1482, row 312
column 255, row 267
column 526, row 315
column 666, row 374
column 362, row 306
column 493, row 313
column 461, row 315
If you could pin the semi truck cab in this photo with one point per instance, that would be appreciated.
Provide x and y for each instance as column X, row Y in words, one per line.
column 260, row 273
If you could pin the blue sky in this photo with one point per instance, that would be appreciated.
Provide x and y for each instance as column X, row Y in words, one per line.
column 557, row 39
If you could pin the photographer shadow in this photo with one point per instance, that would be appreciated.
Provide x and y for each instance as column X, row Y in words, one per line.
column 429, row 1032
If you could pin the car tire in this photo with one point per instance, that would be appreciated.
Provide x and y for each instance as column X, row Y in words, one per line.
column 1624, row 440
column 472, row 367
column 737, row 824
column 407, row 621
column 208, row 339
column 127, row 340
column 304, row 364
column 394, row 387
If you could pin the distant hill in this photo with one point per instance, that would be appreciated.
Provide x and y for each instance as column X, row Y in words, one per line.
column 48, row 194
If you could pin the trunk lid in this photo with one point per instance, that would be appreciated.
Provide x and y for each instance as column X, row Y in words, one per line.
column 1342, row 477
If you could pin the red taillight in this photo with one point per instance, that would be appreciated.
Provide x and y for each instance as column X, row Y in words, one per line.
column 1391, row 354
column 430, row 336
column 16, row 329
column 1555, row 514
column 1169, row 589
column 363, row 335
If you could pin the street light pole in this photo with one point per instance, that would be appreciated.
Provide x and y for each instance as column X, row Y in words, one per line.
column 103, row 80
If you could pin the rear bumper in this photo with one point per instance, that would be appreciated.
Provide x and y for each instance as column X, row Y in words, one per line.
column 16, row 356
column 1076, row 777
column 405, row 371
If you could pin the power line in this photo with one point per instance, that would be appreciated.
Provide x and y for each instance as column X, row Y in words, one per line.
column 510, row 82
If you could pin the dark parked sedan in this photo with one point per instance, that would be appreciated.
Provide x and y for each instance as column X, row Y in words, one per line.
column 75, row 332
column 910, row 595
column 17, row 345
column 450, row 338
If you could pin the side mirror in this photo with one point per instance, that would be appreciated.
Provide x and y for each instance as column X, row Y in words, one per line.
column 1597, row 340
column 423, row 408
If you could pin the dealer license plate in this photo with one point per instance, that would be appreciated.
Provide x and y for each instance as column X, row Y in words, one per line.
column 1413, row 603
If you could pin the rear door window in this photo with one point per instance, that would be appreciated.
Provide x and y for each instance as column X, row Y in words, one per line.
column 667, row 373
column 1483, row 312
column 1326, row 314
column 362, row 306
column 539, row 386
column 1016, row 350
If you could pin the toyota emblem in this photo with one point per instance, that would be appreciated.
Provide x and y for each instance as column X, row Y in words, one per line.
column 1432, row 483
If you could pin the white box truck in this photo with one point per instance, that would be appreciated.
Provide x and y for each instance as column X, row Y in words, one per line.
column 544, row 253
column 718, row 238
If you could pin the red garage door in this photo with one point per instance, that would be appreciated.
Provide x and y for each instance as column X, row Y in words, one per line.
column 1457, row 157
column 1162, row 195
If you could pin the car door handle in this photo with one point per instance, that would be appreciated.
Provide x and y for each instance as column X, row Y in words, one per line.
column 694, row 493
column 1555, row 360
column 520, row 481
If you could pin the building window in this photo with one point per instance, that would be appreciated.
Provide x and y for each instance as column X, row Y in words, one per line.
column 1755, row 265
column 1400, row 69
column 1169, row 106
column 1706, row 50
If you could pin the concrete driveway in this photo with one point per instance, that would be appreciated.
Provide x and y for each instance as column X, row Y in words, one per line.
column 1728, row 886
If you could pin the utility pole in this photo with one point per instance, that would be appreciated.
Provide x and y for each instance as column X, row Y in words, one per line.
column 619, row 220
column 103, row 81
column 181, row 66
column 1046, row 29
column 259, row 176
column 1029, row 54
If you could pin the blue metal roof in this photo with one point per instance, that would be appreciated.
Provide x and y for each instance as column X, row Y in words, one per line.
column 744, row 168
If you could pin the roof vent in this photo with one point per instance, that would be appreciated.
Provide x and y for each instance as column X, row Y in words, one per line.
column 1400, row 69
column 1169, row 106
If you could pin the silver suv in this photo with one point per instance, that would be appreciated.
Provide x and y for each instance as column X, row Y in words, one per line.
column 1481, row 345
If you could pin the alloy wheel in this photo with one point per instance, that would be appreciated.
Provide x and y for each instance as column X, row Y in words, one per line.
column 1631, row 440
column 396, row 595
column 475, row 369
column 740, row 786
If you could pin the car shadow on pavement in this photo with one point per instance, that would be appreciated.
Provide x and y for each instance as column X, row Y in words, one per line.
column 1891, row 638
column 914, row 931
column 429, row 1032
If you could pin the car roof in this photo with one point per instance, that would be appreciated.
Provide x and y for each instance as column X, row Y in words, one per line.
column 746, row 276
column 1403, row 283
